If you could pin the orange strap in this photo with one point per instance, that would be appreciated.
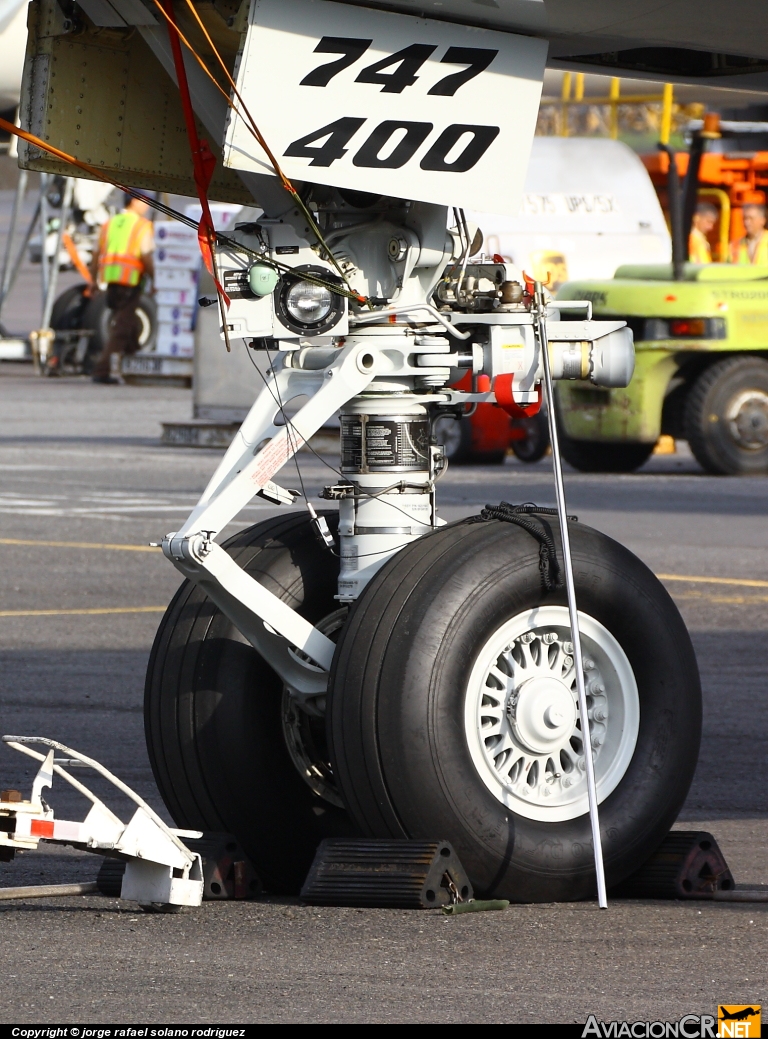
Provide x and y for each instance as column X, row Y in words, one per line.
column 74, row 256
column 59, row 154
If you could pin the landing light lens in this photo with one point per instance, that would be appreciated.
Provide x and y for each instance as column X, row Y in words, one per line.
column 308, row 304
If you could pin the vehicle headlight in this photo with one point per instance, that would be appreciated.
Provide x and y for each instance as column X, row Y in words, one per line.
column 304, row 306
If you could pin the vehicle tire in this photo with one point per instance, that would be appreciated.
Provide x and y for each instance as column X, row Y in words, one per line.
column 218, row 723
column 726, row 417
column 67, row 310
column 604, row 456
column 66, row 314
column 423, row 744
column 455, row 435
column 534, row 446
column 97, row 315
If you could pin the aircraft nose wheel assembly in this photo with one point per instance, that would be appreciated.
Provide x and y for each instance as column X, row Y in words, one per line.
column 375, row 671
column 516, row 684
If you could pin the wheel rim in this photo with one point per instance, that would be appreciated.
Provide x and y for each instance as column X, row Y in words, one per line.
column 747, row 417
column 145, row 331
column 304, row 727
column 522, row 721
column 448, row 433
column 145, row 325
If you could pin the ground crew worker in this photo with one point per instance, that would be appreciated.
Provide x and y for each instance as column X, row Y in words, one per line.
column 123, row 261
column 704, row 219
column 753, row 247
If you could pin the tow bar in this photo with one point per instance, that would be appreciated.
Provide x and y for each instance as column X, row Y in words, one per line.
column 160, row 870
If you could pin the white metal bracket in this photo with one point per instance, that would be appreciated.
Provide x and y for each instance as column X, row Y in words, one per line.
column 263, row 444
column 159, row 866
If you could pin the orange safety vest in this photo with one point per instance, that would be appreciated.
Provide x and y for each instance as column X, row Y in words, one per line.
column 760, row 258
column 698, row 247
column 120, row 242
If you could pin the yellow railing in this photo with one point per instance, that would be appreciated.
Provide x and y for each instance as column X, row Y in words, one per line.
column 573, row 83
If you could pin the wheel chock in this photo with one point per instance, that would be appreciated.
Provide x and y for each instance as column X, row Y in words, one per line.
column 227, row 873
column 688, row 864
column 375, row 873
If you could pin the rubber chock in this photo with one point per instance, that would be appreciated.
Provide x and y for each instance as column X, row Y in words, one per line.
column 386, row 873
column 688, row 864
column 227, row 873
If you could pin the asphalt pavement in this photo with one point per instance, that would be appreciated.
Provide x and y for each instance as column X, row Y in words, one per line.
column 84, row 486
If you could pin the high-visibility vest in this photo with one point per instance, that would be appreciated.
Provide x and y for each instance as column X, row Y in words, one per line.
column 698, row 247
column 760, row 258
column 120, row 243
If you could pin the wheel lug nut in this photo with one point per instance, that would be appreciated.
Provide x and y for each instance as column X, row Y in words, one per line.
column 568, row 647
column 527, row 638
column 588, row 664
column 549, row 638
column 599, row 715
column 596, row 742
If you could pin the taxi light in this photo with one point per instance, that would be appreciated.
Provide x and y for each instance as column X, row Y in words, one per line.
column 308, row 305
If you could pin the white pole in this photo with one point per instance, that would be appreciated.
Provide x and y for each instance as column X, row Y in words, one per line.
column 578, row 663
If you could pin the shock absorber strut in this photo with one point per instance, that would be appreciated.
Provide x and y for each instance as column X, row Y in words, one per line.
column 387, row 498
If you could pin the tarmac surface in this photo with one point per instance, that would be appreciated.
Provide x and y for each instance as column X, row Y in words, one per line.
column 82, row 464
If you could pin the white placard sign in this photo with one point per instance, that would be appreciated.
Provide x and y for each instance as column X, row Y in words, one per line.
column 387, row 103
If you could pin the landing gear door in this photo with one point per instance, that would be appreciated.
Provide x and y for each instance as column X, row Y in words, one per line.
column 388, row 104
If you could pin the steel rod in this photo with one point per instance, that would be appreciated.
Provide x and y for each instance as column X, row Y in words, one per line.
column 578, row 662
column 44, row 234
column 46, row 890
column 18, row 202
column 16, row 267
column 53, row 275
column 744, row 894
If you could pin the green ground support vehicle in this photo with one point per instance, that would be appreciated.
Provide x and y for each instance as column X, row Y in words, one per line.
column 701, row 371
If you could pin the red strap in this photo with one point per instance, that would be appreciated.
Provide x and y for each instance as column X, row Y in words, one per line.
column 502, row 387
column 203, row 159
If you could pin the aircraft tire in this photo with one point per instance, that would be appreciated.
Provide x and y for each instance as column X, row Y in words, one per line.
column 218, row 722
column 418, row 715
